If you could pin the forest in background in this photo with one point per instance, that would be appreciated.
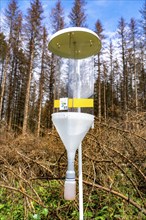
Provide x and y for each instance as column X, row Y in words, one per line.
column 28, row 69
column 33, row 159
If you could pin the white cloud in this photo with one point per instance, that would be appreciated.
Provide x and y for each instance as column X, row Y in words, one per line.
column 2, row 22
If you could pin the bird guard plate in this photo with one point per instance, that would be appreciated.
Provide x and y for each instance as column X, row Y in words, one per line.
column 75, row 43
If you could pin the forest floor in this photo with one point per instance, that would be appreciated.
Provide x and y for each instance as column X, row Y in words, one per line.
column 32, row 173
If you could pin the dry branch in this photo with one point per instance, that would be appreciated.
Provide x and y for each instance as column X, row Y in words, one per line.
column 23, row 193
column 109, row 190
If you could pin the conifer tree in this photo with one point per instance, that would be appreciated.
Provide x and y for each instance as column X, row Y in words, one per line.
column 21, row 69
column 33, row 30
column 12, row 14
column 41, row 80
column 133, row 35
column 111, row 77
column 3, row 49
column 13, row 73
column 57, row 21
column 143, row 23
column 57, row 17
column 105, row 71
column 77, row 15
column 122, row 32
column 142, row 55
column 99, row 31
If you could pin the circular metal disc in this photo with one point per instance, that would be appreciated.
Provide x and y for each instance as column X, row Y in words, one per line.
column 75, row 42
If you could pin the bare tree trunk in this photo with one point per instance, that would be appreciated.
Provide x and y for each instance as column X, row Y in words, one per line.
column 122, row 34
column 104, row 101
column 124, row 81
column 41, row 82
column 33, row 28
column 39, row 113
column 10, row 94
column 4, row 82
column 111, row 78
column 24, row 129
column 136, row 92
column 40, row 104
column 40, row 97
column 10, row 121
column 51, row 93
column 99, row 89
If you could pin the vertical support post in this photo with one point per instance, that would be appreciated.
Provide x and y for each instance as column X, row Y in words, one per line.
column 81, row 212
column 80, row 183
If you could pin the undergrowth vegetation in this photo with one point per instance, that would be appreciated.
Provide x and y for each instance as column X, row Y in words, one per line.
column 32, row 173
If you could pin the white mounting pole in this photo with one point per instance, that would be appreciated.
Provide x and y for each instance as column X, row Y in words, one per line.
column 80, row 183
column 80, row 150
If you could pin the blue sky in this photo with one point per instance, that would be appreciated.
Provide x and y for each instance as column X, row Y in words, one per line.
column 107, row 11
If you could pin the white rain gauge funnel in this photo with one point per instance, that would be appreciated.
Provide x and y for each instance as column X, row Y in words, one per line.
column 73, row 90
column 72, row 128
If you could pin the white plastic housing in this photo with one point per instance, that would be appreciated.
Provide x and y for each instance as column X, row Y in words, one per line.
column 70, row 190
column 72, row 127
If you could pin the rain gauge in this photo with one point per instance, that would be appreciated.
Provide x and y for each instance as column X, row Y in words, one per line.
column 73, row 115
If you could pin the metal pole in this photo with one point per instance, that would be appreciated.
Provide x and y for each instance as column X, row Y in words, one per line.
column 80, row 183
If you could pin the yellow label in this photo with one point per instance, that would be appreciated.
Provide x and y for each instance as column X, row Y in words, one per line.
column 70, row 103
column 76, row 103
column 82, row 103
column 56, row 103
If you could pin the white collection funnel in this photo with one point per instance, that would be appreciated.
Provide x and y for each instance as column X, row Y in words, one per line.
column 72, row 128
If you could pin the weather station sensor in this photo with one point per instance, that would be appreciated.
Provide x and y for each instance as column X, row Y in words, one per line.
column 73, row 115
